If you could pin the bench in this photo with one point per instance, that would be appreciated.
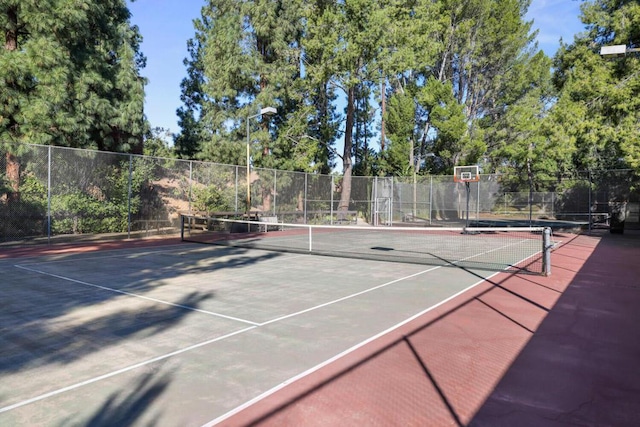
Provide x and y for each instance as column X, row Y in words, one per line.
column 349, row 217
column 268, row 221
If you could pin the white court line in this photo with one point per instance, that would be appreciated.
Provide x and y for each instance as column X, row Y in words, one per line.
column 81, row 256
column 337, row 357
column 136, row 254
column 349, row 296
column 254, row 325
column 357, row 346
column 390, row 283
column 120, row 371
column 131, row 294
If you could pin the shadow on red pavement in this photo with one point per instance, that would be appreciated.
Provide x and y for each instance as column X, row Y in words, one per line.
column 581, row 366
column 441, row 368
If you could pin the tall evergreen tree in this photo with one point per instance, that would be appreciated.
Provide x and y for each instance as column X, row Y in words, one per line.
column 408, row 54
column 346, row 37
column 69, row 75
column 485, row 46
column 602, row 94
column 244, row 56
column 399, row 155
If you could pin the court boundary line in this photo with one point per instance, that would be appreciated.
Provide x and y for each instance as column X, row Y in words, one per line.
column 79, row 256
column 346, row 297
column 131, row 294
column 88, row 256
column 97, row 252
column 122, row 370
column 338, row 356
column 350, row 350
column 177, row 352
column 253, row 326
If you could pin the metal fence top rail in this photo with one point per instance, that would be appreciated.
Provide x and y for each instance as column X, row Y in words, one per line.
column 578, row 174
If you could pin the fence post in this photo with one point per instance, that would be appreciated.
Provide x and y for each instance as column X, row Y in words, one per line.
column 275, row 190
column 505, row 203
column 190, row 183
column 589, row 215
column 391, row 204
column 129, row 198
column 236, row 191
column 305, row 197
column 374, row 202
column 430, row 198
column 331, row 198
column 181, row 228
column 49, row 195
column 530, row 202
column 478, row 203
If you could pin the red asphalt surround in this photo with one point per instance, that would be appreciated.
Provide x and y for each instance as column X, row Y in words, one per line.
column 476, row 360
column 35, row 250
column 581, row 366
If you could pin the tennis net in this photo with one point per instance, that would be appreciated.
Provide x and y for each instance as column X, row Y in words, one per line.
column 521, row 249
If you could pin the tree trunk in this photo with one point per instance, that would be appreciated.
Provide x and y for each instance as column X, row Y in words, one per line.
column 11, row 32
column 13, row 175
column 347, row 164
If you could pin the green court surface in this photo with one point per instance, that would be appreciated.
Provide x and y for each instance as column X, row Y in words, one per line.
column 185, row 334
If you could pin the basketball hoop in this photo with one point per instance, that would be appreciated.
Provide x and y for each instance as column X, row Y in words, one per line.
column 466, row 174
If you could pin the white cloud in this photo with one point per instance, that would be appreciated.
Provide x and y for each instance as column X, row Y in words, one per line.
column 555, row 19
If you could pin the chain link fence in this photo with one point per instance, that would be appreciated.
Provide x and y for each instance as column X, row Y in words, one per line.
column 62, row 193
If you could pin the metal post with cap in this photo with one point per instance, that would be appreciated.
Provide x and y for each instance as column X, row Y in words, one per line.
column 267, row 111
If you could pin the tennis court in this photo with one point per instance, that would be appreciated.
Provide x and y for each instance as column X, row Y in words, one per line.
column 184, row 334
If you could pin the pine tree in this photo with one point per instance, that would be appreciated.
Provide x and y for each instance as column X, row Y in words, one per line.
column 602, row 94
column 244, row 56
column 69, row 76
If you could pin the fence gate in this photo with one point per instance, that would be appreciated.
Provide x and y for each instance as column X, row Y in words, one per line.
column 382, row 211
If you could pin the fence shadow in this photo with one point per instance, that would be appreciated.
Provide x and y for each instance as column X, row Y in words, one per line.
column 436, row 370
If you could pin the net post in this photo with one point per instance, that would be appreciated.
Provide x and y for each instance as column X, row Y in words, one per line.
column 546, row 251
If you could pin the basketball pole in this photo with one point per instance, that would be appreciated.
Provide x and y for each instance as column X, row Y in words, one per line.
column 468, row 187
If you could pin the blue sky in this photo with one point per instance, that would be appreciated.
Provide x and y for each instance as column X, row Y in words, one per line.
column 166, row 25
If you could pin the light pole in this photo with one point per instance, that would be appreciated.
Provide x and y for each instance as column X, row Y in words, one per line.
column 617, row 211
column 416, row 165
column 267, row 111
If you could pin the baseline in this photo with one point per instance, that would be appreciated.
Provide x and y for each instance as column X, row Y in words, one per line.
column 131, row 294
column 331, row 360
column 121, row 371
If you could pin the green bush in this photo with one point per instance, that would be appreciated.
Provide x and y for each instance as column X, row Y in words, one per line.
column 79, row 213
column 209, row 199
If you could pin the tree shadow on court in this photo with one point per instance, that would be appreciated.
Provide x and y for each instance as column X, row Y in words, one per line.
column 51, row 320
column 127, row 407
column 36, row 344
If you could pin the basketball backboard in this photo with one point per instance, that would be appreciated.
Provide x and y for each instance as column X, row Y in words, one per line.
column 466, row 174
